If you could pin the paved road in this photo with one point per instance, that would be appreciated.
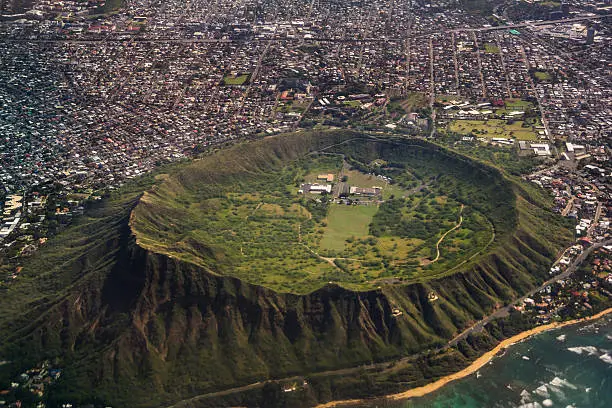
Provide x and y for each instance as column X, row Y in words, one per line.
column 125, row 37
column 595, row 219
column 477, row 327
column 506, row 309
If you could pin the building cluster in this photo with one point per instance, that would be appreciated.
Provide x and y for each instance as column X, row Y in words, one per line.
column 28, row 389
column 582, row 194
column 343, row 191
column 91, row 96
column 577, row 295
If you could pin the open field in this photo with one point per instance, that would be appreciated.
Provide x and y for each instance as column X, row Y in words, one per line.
column 357, row 178
column 448, row 98
column 352, row 104
column 413, row 102
column 344, row 222
column 542, row 76
column 297, row 106
column 491, row 48
column 518, row 104
column 494, row 128
column 240, row 79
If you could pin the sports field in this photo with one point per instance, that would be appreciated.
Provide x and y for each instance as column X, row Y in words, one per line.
column 344, row 222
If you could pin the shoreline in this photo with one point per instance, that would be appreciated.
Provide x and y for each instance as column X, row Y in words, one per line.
column 470, row 369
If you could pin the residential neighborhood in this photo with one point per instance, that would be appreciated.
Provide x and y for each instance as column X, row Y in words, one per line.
column 95, row 93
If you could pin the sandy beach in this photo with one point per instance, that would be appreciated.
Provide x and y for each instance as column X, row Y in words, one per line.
column 472, row 368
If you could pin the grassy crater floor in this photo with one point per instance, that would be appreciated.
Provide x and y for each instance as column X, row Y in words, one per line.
column 243, row 212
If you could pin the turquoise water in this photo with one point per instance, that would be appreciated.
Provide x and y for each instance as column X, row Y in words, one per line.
column 569, row 367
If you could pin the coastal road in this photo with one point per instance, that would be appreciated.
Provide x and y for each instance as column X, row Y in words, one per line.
column 477, row 327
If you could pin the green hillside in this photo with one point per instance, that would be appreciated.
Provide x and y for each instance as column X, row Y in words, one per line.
column 139, row 313
column 238, row 213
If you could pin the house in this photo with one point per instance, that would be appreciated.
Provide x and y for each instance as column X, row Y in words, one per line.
column 368, row 192
column 326, row 177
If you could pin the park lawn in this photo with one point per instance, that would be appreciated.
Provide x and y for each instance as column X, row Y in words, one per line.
column 299, row 106
column 353, row 104
column 493, row 128
column 359, row 179
column 415, row 100
column 235, row 80
column 112, row 5
column 517, row 104
column 491, row 48
column 542, row 76
column 344, row 222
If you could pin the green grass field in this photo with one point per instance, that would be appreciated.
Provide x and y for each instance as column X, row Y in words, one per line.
column 352, row 104
column 413, row 102
column 344, row 222
column 235, row 79
column 542, row 76
column 357, row 178
column 448, row 98
column 518, row 104
column 494, row 128
column 293, row 106
column 491, row 48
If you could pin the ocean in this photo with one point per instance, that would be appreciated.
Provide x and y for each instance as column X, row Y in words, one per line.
column 570, row 367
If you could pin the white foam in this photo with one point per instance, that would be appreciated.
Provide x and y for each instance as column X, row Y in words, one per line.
column 530, row 405
column 525, row 396
column 590, row 350
column 561, row 337
column 559, row 382
column 606, row 358
column 547, row 403
column 542, row 391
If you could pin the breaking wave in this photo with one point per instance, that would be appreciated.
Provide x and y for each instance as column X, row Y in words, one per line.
column 590, row 350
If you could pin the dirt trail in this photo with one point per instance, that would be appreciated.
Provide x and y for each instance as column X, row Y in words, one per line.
column 446, row 233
